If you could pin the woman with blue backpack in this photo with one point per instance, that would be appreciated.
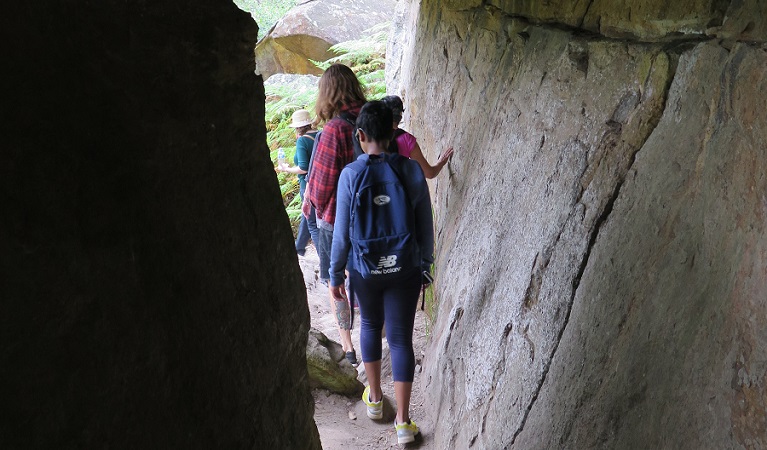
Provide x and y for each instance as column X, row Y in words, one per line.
column 383, row 228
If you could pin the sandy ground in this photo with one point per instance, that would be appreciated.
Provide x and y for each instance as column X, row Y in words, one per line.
column 342, row 421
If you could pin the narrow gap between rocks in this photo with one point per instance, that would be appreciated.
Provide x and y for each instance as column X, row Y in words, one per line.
column 341, row 419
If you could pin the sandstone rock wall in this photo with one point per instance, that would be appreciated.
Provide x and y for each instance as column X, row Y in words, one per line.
column 308, row 31
column 602, row 260
column 150, row 292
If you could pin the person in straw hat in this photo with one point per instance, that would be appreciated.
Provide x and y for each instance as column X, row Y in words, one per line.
column 305, row 136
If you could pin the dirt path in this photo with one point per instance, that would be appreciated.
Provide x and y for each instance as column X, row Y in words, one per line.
column 342, row 421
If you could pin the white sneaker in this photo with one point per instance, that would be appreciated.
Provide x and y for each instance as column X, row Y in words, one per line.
column 406, row 432
column 375, row 409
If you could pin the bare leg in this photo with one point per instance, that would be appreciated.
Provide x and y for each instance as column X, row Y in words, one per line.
column 402, row 392
column 346, row 340
column 341, row 312
column 373, row 371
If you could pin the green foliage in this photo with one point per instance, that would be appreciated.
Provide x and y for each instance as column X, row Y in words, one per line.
column 366, row 57
column 265, row 12
column 375, row 84
column 363, row 55
column 281, row 103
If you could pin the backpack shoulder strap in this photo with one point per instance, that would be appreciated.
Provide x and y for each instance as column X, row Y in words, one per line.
column 358, row 165
column 316, row 139
column 349, row 117
column 395, row 163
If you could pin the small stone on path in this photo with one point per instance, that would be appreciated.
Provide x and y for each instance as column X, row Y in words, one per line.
column 352, row 416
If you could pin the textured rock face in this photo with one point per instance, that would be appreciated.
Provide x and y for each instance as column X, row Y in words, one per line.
column 328, row 369
column 646, row 20
column 399, row 48
column 150, row 292
column 649, row 20
column 675, row 291
column 309, row 30
column 612, row 294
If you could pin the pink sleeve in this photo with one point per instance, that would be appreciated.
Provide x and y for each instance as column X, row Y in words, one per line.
column 406, row 143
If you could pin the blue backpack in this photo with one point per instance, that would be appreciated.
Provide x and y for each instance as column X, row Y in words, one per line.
column 382, row 220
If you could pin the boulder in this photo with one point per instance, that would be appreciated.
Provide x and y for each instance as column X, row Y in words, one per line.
column 328, row 367
column 665, row 342
column 308, row 31
column 613, row 293
column 294, row 83
column 148, row 268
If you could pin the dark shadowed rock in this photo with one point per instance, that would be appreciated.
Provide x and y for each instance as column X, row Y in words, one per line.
column 150, row 292
column 307, row 31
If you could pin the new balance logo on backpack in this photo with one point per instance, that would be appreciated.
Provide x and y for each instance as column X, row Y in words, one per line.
column 387, row 261
column 386, row 266
column 382, row 220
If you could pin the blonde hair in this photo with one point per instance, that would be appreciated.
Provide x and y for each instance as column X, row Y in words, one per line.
column 338, row 87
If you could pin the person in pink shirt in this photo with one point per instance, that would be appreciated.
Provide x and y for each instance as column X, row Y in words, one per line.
column 406, row 143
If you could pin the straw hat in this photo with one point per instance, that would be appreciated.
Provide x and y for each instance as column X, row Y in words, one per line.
column 301, row 118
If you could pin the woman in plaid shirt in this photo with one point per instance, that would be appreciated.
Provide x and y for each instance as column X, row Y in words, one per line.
column 339, row 93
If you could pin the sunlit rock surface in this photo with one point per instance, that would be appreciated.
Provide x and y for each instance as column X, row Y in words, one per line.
column 307, row 32
column 601, row 254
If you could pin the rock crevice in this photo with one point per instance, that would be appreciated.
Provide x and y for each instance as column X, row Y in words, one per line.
column 562, row 110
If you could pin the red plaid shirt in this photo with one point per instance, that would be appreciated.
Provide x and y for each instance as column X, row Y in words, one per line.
column 334, row 151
